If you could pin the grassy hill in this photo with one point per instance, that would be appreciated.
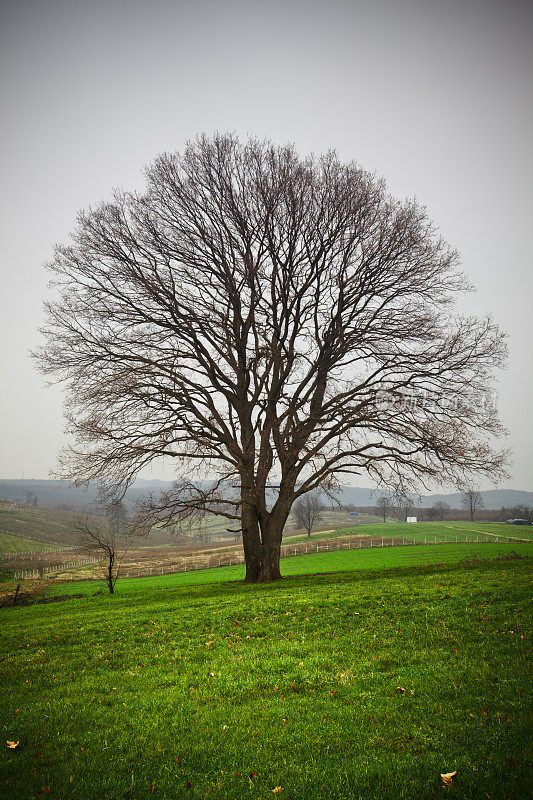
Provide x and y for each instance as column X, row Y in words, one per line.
column 47, row 525
column 11, row 545
column 362, row 684
column 432, row 532
column 42, row 525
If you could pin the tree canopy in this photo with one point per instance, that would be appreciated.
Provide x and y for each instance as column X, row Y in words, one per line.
column 271, row 322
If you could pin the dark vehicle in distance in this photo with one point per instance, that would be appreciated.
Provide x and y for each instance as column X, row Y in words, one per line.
column 518, row 522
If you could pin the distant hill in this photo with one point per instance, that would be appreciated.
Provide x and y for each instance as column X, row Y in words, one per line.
column 53, row 494
column 492, row 498
column 57, row 494
column 49, row 493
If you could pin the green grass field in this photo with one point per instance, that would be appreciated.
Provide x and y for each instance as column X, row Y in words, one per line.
column 15, row 544
column 429, row 530
column 44, row 524
column 214, row 527
column 176, row 687
column 377, row 558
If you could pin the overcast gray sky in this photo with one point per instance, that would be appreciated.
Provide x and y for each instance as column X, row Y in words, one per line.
column 434, row 95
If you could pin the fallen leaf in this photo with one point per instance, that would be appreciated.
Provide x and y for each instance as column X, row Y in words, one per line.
column 447, row 777
column 277, row 789
column 12, row 745
column 401, row 689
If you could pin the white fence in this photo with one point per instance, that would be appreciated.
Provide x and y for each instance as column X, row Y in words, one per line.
column 287, row 551
column 39, row 573
column 58, row 549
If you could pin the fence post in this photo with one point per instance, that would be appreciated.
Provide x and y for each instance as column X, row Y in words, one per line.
column 370, row 542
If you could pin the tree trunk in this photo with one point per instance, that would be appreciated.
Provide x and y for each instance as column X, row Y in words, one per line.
column 309, row 533
column 262, row 561
column 110, row 583
column 262, row 547
column 251, row 542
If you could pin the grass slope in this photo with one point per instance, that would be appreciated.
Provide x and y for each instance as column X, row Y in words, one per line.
column 377, row 558
column 231, row 691
column 16, row 544
column 41, row 524
column 430, row 530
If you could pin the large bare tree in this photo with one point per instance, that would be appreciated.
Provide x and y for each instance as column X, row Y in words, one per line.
column 272, row 323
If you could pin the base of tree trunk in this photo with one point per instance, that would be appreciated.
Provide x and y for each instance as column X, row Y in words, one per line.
column 262, row 558
column 262, row 573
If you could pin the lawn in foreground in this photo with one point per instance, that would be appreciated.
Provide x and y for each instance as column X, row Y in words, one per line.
column 375, row 558
column 231, row 691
